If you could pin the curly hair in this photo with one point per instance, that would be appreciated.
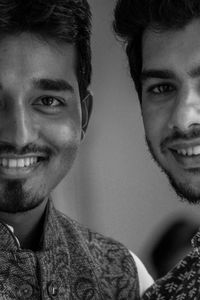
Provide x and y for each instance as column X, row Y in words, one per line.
column 61, row 20
column 133, row 17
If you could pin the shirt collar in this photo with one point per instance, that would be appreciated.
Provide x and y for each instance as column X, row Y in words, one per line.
column 196, row 242
column 50, row 235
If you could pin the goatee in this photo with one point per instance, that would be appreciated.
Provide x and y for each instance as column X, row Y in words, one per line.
column 15, row 199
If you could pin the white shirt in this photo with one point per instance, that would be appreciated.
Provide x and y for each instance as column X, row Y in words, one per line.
column 145, row 279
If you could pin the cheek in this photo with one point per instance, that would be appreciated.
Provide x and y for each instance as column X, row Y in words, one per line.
column 154, row 125
column 58, row 134
column 64, row 140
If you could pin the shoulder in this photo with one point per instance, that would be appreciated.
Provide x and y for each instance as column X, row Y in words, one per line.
column 114, row 265
column 95, row 241
column 98, row 244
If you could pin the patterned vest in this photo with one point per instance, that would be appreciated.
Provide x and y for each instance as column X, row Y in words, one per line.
column 182, row 282
column 73, row 263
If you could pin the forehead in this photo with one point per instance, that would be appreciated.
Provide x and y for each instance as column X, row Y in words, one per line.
column 25, row 56
column 177, row 50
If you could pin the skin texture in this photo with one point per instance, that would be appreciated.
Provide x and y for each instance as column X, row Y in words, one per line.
column 171, row 104
column 36, row 119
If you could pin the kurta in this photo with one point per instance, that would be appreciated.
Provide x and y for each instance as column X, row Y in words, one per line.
column 72, row 263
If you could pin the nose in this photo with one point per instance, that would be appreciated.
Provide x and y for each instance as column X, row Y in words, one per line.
column 185, row 111
column 18, row 127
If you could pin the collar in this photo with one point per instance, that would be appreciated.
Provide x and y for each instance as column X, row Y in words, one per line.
column 50, row 238
column 52, row 231
column 196, row 242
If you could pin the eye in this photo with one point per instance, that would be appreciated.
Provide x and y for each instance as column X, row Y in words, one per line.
column 48, row 101
column 50, row 104
column 161, row 88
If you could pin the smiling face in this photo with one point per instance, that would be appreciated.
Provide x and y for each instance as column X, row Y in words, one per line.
column 171, row 105
column 40, row 119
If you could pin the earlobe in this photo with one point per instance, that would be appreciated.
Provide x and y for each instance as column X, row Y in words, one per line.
column 86, row 106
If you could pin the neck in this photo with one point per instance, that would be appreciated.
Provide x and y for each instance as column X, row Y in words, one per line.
column 27, row 225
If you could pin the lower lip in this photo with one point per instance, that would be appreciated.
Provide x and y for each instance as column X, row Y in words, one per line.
column 17, row 173
column 187, row 162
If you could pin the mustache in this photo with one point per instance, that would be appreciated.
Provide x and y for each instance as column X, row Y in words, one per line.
column 30, row 148
column 180, row 136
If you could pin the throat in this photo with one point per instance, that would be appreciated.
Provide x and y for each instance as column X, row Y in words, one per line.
column 28, row 226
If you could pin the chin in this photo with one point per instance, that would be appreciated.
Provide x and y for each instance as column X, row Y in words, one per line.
column 186, row 191
column 15, row 198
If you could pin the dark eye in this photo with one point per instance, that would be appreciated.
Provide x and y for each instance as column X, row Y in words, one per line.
column 162, row 88
column 49, row 104
column 48, row 101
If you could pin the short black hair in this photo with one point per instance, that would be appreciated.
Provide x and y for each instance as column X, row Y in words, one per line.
column 61, row 20
column 133, row 17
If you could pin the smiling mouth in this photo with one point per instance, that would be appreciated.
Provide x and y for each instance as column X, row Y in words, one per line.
column 187, row 152
column 188, row 157
column 20, row 163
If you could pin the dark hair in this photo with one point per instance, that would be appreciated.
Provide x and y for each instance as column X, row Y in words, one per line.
column 133, row 17
column 61, row 20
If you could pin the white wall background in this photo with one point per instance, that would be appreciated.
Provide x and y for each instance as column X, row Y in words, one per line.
column 115, row 187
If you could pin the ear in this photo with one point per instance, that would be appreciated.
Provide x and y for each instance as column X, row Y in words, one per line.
column 86, row 107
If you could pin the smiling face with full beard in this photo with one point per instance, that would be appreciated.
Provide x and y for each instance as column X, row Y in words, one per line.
column 40, row 118
column 171, row 105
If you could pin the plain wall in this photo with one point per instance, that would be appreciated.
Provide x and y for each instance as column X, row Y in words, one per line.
column 115, row 187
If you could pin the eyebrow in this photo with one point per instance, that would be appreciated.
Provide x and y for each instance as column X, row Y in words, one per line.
column 57, row 85
column 167, row 74
column 153, row 73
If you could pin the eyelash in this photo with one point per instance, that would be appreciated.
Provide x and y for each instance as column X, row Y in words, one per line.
column 60, row 102
column 168, row 87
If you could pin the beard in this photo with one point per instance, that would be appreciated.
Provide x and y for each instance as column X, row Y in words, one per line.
column 14, row 198
column 183, row 190
column 22, row 195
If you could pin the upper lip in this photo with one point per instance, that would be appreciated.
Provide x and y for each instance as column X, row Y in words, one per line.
column 178, row 145
column 15, row 156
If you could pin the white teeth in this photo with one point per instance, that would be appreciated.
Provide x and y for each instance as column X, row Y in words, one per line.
column 12, row 163
column 184, row 152
column 27, row 162
column 18, row 163
column 196, row 150
column 190, row 151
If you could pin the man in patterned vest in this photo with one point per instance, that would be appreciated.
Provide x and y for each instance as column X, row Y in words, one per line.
column 163, row 48
column 45, row 105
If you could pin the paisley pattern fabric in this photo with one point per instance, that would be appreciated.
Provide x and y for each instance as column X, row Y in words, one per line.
column 181, row 283
column 73, row 263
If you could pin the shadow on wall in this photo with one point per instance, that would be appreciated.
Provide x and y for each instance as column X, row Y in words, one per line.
column 171, row 245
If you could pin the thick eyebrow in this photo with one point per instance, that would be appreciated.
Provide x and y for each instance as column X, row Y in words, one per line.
column 57, row 85
column 154, row 73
